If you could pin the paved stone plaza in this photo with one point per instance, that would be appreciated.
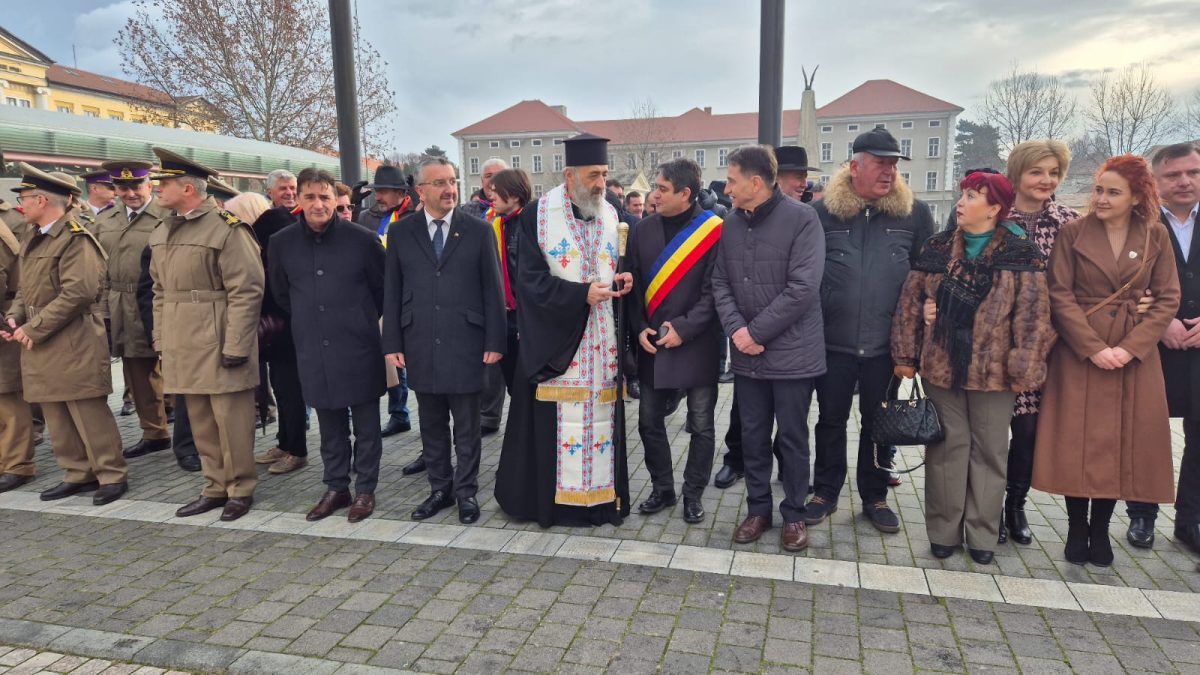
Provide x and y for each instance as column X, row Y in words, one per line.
column 128, row 585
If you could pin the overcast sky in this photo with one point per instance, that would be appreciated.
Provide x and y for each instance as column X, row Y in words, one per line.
column 454, row 63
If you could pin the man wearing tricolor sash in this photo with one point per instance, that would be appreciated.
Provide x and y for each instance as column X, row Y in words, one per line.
column 671, row 256
column 563, row 461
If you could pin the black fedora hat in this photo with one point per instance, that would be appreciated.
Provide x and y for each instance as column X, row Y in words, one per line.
column 389, row 177
column 793, row 158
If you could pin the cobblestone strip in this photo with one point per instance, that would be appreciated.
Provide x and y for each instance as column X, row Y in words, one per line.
column 21, row 660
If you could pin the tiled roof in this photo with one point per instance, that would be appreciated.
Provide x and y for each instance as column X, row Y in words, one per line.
column 883, row 97
column 82, row 79
column 525, row 116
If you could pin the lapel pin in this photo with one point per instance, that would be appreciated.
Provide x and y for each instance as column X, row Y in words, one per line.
column 1133, row 254
column 455, row 235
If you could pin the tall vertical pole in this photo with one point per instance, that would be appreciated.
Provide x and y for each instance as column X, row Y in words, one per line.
column 345, row 90
column 770, row 74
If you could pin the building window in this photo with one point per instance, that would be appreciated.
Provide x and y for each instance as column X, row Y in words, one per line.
column 700, row 158
column 610, row 160
column 537, row 142
column 558, row 141
column 64, row 108
column 827, row 129
column 537, row 190
column 116, row 116
column 91, row 113
column 537, row 163
column 24, row 103
column 558, row 163
column 907, row 177
column 474, row 166
column 881, row 125
column 934, row 124
column 827, row 152
column 493, row 144
column 906, row 125
column 935, row 146
column 514, row 144
column 11, row 100
column 906, row 147
column 851, row 127
column 473, row 145
column 631, row 161
column 930, row 181
column 933, row 211
column 654, row 158
column 677, row 154
column 516, row 162
column 850, row 150
column 723, row 157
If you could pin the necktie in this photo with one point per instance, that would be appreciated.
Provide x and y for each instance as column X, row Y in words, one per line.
column 132, row 215
column 439, row 238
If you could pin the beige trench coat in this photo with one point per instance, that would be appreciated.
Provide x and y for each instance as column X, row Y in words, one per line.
column 124, row 242
column 10, row 352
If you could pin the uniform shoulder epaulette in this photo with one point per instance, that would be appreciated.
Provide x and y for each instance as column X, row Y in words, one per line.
column 87, row 217
column 230, row 219
column 74, row 227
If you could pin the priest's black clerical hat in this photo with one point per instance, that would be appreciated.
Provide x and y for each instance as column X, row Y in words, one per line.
column 586, row 150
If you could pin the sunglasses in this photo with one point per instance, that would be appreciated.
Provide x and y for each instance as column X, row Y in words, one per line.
column 345, row 207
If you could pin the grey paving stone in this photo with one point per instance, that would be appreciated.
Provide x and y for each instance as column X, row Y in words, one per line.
column 189, row 656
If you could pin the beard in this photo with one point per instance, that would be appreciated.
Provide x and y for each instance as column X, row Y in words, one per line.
column 589, row 205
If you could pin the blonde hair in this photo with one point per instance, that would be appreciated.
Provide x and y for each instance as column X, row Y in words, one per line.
column 1026, row 154
column 248, row 206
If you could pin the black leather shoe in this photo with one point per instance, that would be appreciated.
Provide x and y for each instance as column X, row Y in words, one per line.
column 980, row 556
column 468, row 510
column 189, row 463
column 657, row 502
column 126, row 409
column 107, row 494
column 940, row 551
column 236, row 507
column 725, row 377
column 1077, row 548
column 488, row 431
column 1140, row 532
column 170, row 417
column 727, row 476
column 145, row 447
column 634, row 388
column 64, row 490
column 201, row 505
column 693, row 510
column 436, row 502
column 414, row 467
column 1189, row 536
column 395, row 426
column 11, row 481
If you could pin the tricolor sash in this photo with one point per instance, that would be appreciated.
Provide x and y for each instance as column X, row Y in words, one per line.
column 388, row 220
column 499, row 222
column 679, row 257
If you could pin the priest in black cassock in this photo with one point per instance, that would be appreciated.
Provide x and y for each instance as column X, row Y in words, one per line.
column 563, row 461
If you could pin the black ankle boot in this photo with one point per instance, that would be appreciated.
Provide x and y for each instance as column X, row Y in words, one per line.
column 1100, row 552
column 1077, row 548
column 1014, row 514
column 1003, row 538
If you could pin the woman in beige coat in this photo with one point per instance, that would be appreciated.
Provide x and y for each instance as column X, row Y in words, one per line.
column 1103, row 431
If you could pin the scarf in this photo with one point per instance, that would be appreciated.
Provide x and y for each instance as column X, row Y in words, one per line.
column 499, row 223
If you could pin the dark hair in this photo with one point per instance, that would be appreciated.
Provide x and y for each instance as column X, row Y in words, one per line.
column 1141, row 184
column 613, row 182
column 341, row 189
column 755, row 160
column 513, row 184
column 318, row 176
column 1174, row 151
column 995, row 186
column 631, row 194
column 682, row 173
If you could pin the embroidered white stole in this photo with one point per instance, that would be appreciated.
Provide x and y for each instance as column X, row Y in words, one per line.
column 585, row 395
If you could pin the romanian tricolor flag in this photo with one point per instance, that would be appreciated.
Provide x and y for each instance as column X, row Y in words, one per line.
column 681, row 254
column 392, row 216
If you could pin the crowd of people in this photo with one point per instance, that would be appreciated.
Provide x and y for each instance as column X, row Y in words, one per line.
column 1054, row 346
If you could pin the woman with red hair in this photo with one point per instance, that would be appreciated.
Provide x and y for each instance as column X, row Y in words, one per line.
column 987, row 341
column 1103, row 432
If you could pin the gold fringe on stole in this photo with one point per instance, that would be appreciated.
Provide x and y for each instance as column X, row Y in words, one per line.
column 574, row 394
column 589, row 498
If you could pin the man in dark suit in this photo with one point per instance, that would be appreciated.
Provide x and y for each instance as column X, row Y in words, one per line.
column 671, row 255
column 444, row 321
column 1177, row 172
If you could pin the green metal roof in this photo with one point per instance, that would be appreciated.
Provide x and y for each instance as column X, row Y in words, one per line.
column 43, row 132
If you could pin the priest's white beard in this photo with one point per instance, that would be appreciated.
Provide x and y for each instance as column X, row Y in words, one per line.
column 589, row 206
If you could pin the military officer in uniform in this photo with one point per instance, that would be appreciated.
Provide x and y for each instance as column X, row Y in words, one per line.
column 221, row 191
column 56, row 318
column 16, row 223
column 16, row 419
column 124, row 232
column 100, row 192
column 208, row 290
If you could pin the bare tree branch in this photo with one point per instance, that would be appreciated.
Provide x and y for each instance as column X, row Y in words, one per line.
column 650, row 136
column 1130, row 111
column 1026, row 105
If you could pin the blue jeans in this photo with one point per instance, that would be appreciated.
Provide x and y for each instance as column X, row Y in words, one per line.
column 398, row 399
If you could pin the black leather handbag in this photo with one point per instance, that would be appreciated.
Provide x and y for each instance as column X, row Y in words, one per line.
column 910, row 421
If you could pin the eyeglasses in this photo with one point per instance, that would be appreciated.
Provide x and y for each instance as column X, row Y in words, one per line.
column 440, row 183
column 345, row 207
column 21, row 199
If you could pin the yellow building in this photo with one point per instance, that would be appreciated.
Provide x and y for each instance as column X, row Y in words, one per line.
column 30, row 79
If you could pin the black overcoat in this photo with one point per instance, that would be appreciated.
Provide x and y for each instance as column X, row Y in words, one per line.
column 1181, row 367
column 443, row 314
column 331, row 287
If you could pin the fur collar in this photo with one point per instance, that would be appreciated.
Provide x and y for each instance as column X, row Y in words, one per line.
column 843, row 202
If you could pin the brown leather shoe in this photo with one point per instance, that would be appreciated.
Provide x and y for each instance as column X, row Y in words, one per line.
column 201, row 505
column 363, row 507
column 270, row 457
column 331, row 501
column 794, row 537
column 236, row 507
column 751, row 529
column 288, row 464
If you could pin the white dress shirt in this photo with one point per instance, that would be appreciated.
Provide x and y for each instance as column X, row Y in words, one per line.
column 1183, row 229
column 433, row 228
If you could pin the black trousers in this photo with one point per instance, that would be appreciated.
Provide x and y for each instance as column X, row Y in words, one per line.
column 762, row 403
column 652, row 426
column 1020, row 450
column 1187, row 495
column 435, row 412
column 733, row 439
column 285, row 381
column 339, row 455
column 498, row 379
column 182, row 442
column 835, row 395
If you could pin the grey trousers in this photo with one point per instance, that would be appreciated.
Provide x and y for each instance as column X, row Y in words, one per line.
column 965, row 474
column 338, row 454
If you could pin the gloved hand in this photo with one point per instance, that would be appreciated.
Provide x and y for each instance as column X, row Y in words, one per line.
column 228, row 361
